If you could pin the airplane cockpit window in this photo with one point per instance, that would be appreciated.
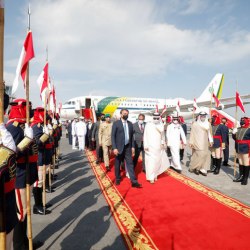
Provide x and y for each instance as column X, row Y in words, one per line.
column 73, row 102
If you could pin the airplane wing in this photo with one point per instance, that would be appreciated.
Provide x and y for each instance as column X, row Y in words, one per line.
column 228, row 102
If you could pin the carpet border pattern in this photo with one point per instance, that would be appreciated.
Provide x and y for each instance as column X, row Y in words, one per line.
column 131, row 229
column 219, row 197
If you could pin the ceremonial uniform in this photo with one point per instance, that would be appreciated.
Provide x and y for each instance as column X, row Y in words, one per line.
column 242, row 146
column 219, row 138
column 41, row 136
column 105, row 139
column 26, row 171
column 8, row 175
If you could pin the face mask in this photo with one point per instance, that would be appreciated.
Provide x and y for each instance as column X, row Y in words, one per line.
column 203, row 119
column 242, row 123
column 125, row 117
column 175, row 121
column 140, row 121
column 156, row 121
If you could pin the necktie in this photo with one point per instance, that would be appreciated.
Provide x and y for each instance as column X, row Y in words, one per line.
column 125, row 132
column 141, row 127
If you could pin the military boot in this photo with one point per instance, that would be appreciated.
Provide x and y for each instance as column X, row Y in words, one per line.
column 245, row 175
column 218, row 165
column 240, row 177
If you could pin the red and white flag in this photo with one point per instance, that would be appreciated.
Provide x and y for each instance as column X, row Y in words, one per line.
column 26, row 55
column 239, row 102
column 217, row 101
column 195, row 106
column 52, row 98
column 156, row 109
column 164, row 110
column 59, row 108
column 178, row 107
column 43, row 82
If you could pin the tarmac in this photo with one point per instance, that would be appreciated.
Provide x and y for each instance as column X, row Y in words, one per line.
column 81, row 218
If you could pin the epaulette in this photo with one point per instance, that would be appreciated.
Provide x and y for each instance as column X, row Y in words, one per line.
column 15, row 123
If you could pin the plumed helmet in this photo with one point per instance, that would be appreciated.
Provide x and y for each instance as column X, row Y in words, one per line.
column 181, row 119
column 245, row 122
column 38, row 115
column 215, row 120
column 169, row 119
column 18, row 110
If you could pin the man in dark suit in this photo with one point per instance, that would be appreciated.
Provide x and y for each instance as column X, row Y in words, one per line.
column 95, row 132
column 123, row 147
column 138, row 129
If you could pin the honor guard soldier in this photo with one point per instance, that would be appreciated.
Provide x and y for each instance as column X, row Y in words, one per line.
column 26, row 154
column 219, row 138
column 41, row 135
column 8, row 217
column 242, row 146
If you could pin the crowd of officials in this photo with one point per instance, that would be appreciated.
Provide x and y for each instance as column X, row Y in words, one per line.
column 28, row 154
column 161, row 143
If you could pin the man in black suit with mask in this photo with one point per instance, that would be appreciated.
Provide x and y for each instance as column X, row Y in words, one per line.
column 123, row 147
column 138, row 128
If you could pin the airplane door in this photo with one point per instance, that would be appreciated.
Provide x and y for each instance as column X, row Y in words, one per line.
column 87, row 103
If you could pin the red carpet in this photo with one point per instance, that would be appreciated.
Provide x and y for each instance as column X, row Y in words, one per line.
column 174, row 213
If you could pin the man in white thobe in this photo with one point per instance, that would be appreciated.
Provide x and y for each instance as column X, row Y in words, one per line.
column 156, row 161
column 175, row 132
column 81, row 131
column 200, row 141
column 73, row 132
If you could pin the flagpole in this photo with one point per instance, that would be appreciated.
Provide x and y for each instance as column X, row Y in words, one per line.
column 2, row 195
column 235, row 126
column 29, row 223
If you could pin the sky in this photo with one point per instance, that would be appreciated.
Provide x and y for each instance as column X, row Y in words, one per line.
column 138, row 48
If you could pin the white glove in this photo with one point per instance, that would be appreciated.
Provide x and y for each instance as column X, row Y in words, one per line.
column 235, row 130
column 54, row 121
column 45, row 130
column 2, row 127
column 28, row 131
column 49, row 127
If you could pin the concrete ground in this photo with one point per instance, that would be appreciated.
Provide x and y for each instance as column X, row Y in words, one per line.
column 80, row 217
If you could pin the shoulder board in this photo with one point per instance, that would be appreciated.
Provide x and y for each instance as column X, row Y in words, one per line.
column 15, row 123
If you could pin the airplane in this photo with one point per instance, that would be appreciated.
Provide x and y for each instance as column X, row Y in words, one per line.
column 147, row 106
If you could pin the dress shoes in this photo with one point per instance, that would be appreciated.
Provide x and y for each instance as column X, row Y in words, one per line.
column 40, row 210
column 108, row 169
column 152, row 182
column 117, row 183
column 136, row 185
column 96, row 162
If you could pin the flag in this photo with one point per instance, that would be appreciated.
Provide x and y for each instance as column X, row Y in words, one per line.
column 59, row 107
column 43, row 82
column 239, row 102
column 178, row 107
column 26, row 55
column 164, row 110
column 217, row 102
column 52, row 98
column 157, row 109
column 195, row 106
